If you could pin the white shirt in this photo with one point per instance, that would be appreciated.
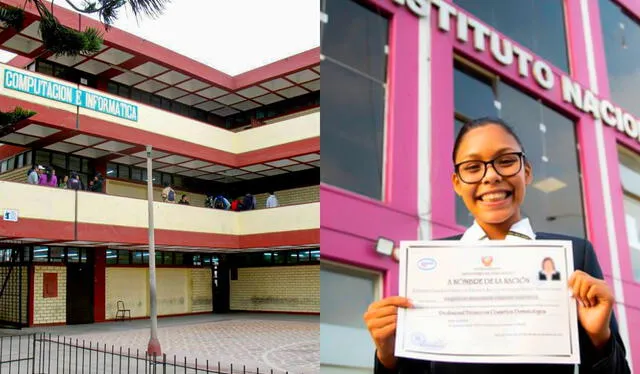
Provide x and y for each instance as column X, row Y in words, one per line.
column 519, row 231
column 272, row 201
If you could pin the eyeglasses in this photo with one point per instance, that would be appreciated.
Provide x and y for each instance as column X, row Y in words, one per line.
column 506, row 165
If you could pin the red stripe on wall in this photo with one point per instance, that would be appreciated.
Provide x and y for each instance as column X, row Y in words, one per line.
column 137, row 235
column 297, row 237
column 38, row 228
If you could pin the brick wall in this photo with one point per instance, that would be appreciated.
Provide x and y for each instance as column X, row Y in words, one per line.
column 13, row 291
column 129, row 285
column 139, row 191
column 201, row 291
column 179, row 290
column 173, row 290
column 15, row 175
column 278, row 288
column 293, row 196
column 52, row 309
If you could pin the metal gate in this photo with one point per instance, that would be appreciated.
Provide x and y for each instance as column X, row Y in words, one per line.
column 14, row 289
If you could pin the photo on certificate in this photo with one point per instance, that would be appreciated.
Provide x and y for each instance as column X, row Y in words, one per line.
column 488, row 302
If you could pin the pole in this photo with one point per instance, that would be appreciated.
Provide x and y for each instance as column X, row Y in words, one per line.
column 153, row 349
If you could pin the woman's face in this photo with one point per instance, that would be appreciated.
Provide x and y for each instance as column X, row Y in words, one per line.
column 495, row 200
column 548, row 267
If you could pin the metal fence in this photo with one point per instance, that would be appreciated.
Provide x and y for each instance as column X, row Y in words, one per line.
column 44, row 354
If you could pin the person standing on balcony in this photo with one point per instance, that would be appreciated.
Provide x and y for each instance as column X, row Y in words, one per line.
column 34, row 175
column 96, row 186
column 168, row 194
column 53, row 179
column 64, row 183
column 43, row 178
column 272, row 200
column 184, row 200
column 74, row 182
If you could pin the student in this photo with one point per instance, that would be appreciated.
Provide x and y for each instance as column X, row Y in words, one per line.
column 272, row 201
column 491, row 175
column 168, row 194
column 184, row 200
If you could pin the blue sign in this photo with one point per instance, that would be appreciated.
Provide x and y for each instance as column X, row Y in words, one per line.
column 64, row 93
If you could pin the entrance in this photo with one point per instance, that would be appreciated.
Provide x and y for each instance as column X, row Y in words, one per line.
column 80, row 291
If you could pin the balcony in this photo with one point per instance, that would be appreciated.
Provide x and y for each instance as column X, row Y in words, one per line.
column 65, row 217
column 103, row 115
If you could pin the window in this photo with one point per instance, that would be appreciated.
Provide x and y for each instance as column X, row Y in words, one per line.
column 59, row 160
column 630, row 176
column 344, row 339
column 74, row 163
column 536, row 25
column 42, row 158
column 112, row 170
column 112, row 256
column 353, row 93
column 40, row 254
column 554, row 200
column 136, row 174
column 123, row 171
column 621, row 39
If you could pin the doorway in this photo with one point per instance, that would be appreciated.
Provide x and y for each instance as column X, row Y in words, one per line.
column 80, row 291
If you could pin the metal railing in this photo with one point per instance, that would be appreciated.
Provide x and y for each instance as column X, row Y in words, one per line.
column 44, row 353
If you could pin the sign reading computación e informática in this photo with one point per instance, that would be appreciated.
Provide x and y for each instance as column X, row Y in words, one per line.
column 52, row 90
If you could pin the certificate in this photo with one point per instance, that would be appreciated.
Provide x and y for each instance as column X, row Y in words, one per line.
column 487, row 302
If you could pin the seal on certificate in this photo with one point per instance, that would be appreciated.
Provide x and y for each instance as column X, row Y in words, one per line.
column 420, row 340
column 427, row 264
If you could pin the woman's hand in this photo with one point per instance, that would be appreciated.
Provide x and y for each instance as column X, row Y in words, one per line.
column 595, row 303
column 381, row 319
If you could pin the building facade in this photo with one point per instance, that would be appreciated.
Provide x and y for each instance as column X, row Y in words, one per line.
column 400, row 77
column 71, row 256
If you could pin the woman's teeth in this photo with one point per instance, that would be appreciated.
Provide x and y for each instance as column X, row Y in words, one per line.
column 494, row 196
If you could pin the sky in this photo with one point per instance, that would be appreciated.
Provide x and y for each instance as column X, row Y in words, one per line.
column 232, row 36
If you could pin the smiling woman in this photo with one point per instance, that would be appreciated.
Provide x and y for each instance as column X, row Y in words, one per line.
column 555, row 201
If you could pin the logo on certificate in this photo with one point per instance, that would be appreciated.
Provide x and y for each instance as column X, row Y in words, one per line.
column 427, row 264
column 487, row 260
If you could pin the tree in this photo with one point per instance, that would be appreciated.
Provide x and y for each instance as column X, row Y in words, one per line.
column 63, row 40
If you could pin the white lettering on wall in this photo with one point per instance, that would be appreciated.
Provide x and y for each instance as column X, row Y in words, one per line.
column 506, row 52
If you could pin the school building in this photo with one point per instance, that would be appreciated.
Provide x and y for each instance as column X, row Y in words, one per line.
column 400, row 77
column 70, row 257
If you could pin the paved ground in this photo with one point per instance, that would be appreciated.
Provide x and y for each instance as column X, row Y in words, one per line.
column 281, row 343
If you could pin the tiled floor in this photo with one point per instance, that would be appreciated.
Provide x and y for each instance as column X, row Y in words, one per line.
column 280, row 343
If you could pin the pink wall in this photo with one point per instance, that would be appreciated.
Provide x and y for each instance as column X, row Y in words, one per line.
column 631, row 288
column 351, row 224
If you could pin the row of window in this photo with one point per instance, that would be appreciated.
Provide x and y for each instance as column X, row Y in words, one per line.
column 15, row 162
column 277, row 258
column 44, row 254
column 354, row 39
column 127, row 257
column 140, row 174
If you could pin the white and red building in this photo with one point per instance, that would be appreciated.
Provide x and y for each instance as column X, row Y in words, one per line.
column 69, row 257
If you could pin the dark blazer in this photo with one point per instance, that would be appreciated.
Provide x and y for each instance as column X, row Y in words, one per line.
column 610, row 360
column 543, row 276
